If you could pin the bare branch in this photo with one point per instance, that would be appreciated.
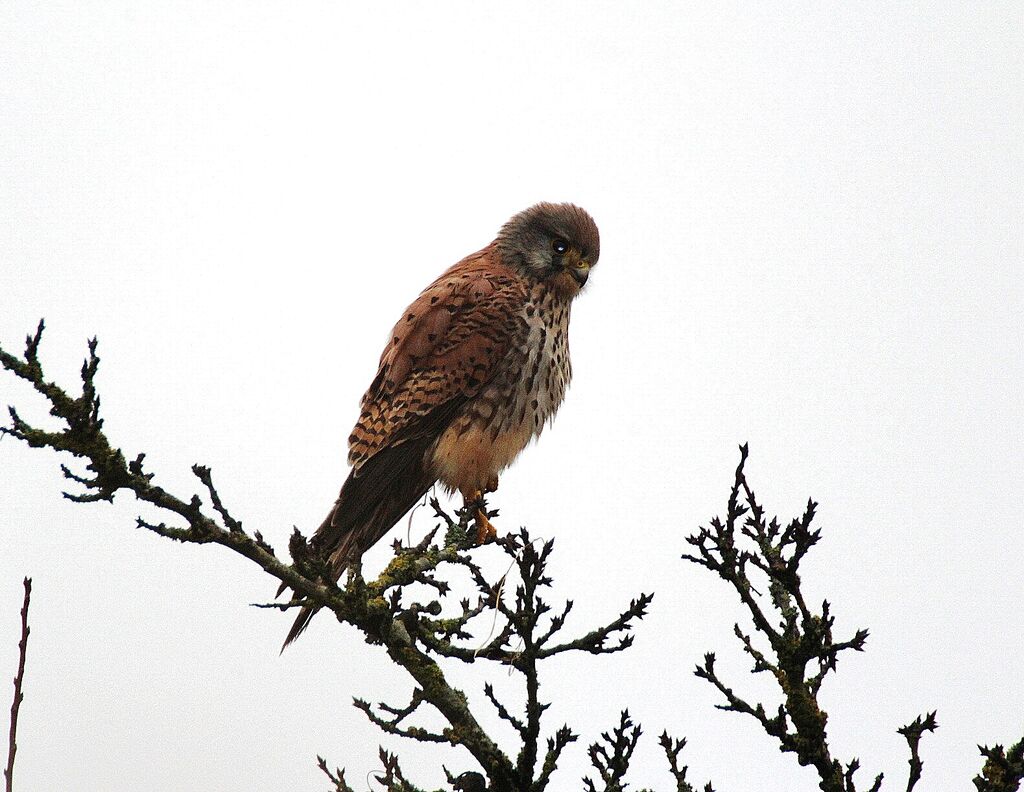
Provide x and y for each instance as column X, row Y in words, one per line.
column 359, row 603
column 337, row 777
column 555, row 746
column 392, row 777
column 610, row 756
column 502, row 711
column 912, row 732
column 672, row 749
column 595, row 641
column 204, row 475
column 1003, row 770
column 776, row 726
column 392, row 725
column 415, row 636
column 12, row 744
column 759, row 557
column 796, row 636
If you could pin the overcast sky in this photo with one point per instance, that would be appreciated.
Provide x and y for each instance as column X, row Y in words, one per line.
column 811, row 241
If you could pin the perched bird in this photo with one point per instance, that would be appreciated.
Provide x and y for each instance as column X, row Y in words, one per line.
column 472, row 372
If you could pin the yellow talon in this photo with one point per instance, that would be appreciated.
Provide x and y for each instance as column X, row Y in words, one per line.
column 485, row 532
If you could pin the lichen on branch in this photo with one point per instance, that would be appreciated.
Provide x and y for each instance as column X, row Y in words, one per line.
column 383, row 608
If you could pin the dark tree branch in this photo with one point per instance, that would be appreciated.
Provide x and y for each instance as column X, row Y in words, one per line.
column 1003, row 770
column 206, row 477
column 12, row 743
column 392, row 777
column 503, row 712
column 416, row 636
column 596, row 641
column 360, row 603
column 522, row 632
column 912, row 732
column 672, row 749
column 337, row 777
column 555, row 745
column 507, row 621
column 800, row 649
column 775, row 726
column 393, row 725
column 611, row 754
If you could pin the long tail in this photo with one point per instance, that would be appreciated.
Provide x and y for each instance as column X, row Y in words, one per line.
column 372, row 499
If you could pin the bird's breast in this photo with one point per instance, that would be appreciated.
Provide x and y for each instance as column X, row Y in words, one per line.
column 514, row 407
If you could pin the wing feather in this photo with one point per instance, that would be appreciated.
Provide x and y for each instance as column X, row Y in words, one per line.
column 443, row 350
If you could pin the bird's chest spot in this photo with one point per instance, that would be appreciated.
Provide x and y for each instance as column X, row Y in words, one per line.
column 547, row 369
column 514, row 408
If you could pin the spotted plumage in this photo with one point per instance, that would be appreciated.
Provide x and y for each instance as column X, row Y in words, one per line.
column 472, row 371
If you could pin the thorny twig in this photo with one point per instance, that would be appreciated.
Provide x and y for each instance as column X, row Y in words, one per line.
column 797, row 647
column 1003, row 770
column 416, row 635
column 611, row 754
column 672, row 749
column 788, row 637
column 912, row 732
column 336, row 776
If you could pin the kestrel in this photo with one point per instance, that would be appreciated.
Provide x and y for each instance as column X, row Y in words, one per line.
column 472, row 372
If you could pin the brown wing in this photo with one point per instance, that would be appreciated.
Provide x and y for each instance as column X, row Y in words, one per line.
column 443, row 350
column 446, row 347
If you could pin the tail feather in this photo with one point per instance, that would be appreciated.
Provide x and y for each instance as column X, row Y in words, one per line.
column 299, row 625
column 373, row 498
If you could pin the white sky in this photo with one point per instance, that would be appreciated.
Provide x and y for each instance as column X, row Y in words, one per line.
column 811, row 241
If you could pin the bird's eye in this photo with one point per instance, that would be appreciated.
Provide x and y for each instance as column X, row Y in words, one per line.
column 560, row 246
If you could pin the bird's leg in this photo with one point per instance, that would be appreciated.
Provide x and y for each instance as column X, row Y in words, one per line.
column 485, row 532
column 492, row 484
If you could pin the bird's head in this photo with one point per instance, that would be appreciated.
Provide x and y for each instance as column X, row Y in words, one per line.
column 557, row 243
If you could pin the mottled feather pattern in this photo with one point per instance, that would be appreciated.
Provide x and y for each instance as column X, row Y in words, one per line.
column 491, row 430
column 447, row 345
